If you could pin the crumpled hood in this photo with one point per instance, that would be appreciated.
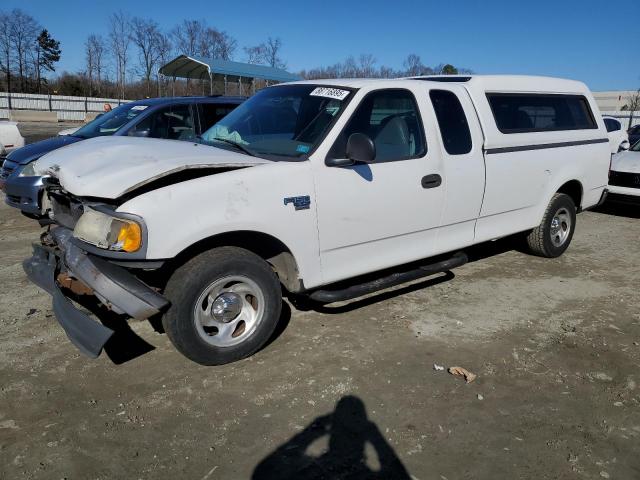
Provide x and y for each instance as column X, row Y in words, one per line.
column 33, row 151
column 109, row 167
column 626, row 162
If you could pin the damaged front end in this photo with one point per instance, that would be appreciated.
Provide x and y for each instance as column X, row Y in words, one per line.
column 63, row 266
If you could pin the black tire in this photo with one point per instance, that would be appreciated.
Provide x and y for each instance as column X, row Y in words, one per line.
column 189, row 282
column 542, row 240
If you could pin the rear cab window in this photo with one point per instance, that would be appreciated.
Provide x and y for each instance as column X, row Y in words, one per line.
column 525, row 112
column 452, row 121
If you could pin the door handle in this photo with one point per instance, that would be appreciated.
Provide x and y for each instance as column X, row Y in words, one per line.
column 431, row 181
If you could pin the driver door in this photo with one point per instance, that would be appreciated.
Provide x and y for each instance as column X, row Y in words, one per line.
column 386, row 213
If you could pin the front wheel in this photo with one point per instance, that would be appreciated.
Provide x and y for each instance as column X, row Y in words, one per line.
column 552, row 237
column 225, row 305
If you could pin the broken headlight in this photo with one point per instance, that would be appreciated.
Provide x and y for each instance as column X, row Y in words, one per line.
column 108, row 232
column 29, row 170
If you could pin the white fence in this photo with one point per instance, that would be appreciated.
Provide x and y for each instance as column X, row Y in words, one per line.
column 67, row 107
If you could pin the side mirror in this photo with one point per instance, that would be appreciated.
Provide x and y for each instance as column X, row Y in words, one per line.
column 360, row 148
column 139, row 133
column 623, row 147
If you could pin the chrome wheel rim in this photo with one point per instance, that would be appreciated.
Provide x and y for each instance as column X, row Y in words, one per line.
column 560, row 227
column 228, row 311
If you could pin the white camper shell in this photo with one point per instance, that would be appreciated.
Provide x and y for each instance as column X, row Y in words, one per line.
column 308, row 186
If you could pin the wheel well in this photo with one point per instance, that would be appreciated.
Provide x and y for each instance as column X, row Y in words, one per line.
column 573, row 188
column 276, row 253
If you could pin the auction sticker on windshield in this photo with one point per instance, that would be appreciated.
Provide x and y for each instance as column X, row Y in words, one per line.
column 328, row 92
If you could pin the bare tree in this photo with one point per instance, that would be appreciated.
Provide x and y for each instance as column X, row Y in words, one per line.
column 5, row 47
column 254, row 54
column 349, row 68
column 227, row 46
column 187, row 36
column 23, row 32
column 414, row 67
column 98, row 47
column 633, row 105
column 216, row 44
column 367, row 66
column 146, row 35
column 120, row 41
column 90, row 63
column 272, row 53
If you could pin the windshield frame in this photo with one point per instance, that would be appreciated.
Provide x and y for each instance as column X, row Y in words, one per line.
column 304, row 156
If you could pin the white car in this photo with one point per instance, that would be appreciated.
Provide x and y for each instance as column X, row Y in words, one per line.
column 10, row 138
column 618, row 137
column 306, row 187
column 624, row 177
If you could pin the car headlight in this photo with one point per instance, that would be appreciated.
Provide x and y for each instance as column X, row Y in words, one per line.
column 29, row 170
column 110, row 233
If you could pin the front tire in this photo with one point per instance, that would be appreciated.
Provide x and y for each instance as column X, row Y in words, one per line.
column 552, row 237
column 225, row 305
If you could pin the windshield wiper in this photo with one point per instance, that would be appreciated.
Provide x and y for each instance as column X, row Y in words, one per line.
column 239, row 146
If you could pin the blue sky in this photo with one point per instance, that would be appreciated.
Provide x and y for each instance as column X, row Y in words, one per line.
column 579, row 39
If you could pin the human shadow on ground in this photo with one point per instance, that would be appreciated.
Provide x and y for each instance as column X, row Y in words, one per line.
column 349, row 431
column 125, row 344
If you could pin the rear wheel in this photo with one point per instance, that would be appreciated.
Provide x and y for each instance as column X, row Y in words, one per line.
column 225, row 304
column 552, row 237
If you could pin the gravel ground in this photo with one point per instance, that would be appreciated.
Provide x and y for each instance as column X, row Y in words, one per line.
column 349, row 391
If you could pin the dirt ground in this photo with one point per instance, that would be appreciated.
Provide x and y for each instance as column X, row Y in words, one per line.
column 350, row 391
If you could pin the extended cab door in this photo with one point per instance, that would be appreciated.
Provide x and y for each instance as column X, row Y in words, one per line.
column 460, row 145
column 382, row 214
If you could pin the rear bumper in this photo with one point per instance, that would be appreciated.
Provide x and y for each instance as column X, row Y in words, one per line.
column 624, row 199
column 115, row 287
column 625, row 191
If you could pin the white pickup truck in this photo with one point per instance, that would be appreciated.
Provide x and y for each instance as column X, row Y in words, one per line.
column 330, row 189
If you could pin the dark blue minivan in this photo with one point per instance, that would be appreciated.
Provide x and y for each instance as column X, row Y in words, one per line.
column 177, row 118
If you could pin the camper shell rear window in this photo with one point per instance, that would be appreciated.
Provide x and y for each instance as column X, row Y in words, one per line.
column 540, row 112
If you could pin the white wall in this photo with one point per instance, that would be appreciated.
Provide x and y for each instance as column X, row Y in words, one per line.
column 67, row 107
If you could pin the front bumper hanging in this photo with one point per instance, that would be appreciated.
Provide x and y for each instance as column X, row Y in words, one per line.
column 114, row 286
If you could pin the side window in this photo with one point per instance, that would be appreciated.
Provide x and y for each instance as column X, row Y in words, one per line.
column 391, row 119
column 211, row 113
column 174, row 123
column 612, row 125
column 452, row 122
column 535, row 112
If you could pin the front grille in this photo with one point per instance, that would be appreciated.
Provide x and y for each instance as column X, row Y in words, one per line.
column 624, row 179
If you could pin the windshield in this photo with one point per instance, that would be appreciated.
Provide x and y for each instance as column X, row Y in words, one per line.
column 110, row 122
column 635, row 147
column 288, row 120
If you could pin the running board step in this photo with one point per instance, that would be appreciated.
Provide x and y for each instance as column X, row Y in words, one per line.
column 330, row 296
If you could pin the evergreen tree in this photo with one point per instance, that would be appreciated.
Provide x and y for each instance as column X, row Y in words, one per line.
column 47, row 53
